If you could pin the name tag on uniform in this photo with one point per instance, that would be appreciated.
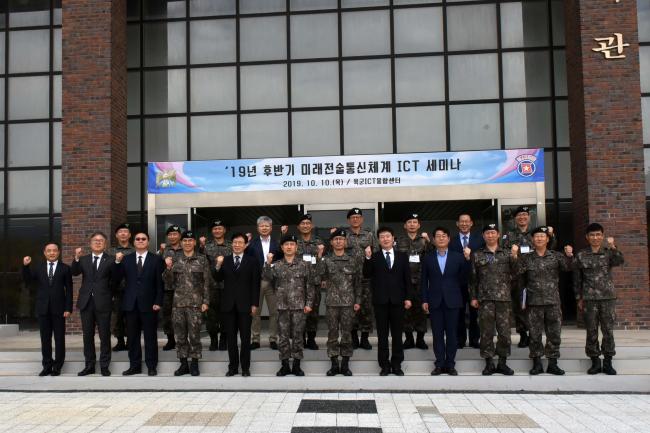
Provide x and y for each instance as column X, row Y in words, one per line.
column 525, row 249
column 307, row 257
column 415, row 258
column 313, row 260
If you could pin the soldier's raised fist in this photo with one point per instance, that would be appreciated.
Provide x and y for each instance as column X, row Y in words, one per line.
column 515, row 250
column 169, row 262
column 568, row 250
column 610, row 242
column 219, row 261
column 333, row 229
column 269, row 258
column 550, row 230
column 368, row 252
column 249, row 236
column 202, row 240
column 119, row 257
column 425, row 235
column 77, row 253
column 162, row 247
column 321, row 250
column 27, row 260
column 284, row 229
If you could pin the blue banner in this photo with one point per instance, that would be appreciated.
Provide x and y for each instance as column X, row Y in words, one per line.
column 363, row 171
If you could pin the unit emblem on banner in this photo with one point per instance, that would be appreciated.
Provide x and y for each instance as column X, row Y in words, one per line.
column 166, row 178
column 526, row 165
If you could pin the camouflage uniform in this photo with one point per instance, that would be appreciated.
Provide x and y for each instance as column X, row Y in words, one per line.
column 168, row 298
column 190, row 279
column 592, row 281
column 521, row 239
column 356, row 245
column 489, row 282
column 310, row 248
column 118, row 320
column 212, row 320
column 342, row 276
column 415, row 319
column 542, row 276
column 293, row 284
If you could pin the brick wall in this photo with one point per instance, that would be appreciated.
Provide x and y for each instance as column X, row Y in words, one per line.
column 94, row 123
column 607, row 165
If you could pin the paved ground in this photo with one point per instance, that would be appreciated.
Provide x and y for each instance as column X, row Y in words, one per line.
column 294, row 412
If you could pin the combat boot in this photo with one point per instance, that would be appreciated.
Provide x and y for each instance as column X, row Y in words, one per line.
column 553, row 368
column 607, row 366
column 335, row 367
column 355, row 339
column 311, row 341
column 523, row 339
column 285, row 369
column 223, row 342
column 214, row 342
column 296, row 370
column 183, row 369
column 171, row 343
column 364, row 343
column 489, row 367
column 409, row 342
column 419, row 341
column 345, row 366
column 538, row 368
column 194, row 367
column 503, row 368
column 595, row 366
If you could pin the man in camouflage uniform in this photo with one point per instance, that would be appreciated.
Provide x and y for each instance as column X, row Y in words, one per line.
column 341, row 275
column 542, row 297
column 189, row 274
column 175, row 251
column 521, row 236
column 415, row 245
column 308, row 247
column 358, row 239
column 215, row 247
column 596, row 295
column 293, row 283
column 118, row 319
column 489, row 290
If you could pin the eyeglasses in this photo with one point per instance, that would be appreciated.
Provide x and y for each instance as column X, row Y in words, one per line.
column 140, row 239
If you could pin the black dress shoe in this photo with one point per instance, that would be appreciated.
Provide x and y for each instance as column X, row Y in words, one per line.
column 152, row 372
column 131, row 371
column 385, row 371
column 475, row 344
column 245, row 373
column 437, row 371
column 45, row 372
column 231, row 373
column 255, row 346
column 106, row 372
column 398, row 371
column 452, row 371
column 56, row 371
column 274, row 345
column 86, row 371
column 461, row 344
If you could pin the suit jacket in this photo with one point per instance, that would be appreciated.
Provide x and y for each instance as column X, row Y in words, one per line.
column 146, row 289
column 99, row 283
column 389, row 286
column 476, row 241
column 241, row 287
column 56, row 296
column 438, row 287
column 254, row 249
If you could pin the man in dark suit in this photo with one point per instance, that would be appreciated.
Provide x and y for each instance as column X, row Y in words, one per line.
column 390, row 280
column 466, row 238
column 259, row 248
column 53, row 304
column 141, row 301
column 442, row 273
column 95, row 301
column 239, row 301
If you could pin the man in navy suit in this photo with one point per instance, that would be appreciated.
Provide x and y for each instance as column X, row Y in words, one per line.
column 466, row 238
column 390, row 281
column 442, row 273
column 53, row 304
column 259, row 248
column 141, row 301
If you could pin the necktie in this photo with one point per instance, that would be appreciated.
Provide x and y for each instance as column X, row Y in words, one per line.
column 465, row 241
column 237, row 263
column 50, row 274
column 388, row 259
column 95, row 260
column 140, row 267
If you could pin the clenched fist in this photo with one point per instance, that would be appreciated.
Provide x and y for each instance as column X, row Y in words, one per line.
column 610, row 242
column 169, row 262
column 514, row 250
column 219, row 261
column 202, row 241
column 77, row 253
column 368, row 252
column 321, row 250
column 568, row 250
column 467, row 252
column 119, row 257
column 27, row 260
column 284, row 229
column 425, row 235
column 269, row 258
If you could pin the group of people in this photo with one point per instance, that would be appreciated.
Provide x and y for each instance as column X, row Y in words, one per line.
column 396, row 282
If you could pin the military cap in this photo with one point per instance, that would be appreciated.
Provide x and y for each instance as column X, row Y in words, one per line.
column 521, row 209
column 354, row 211
column 187, row 235
column 338, row 232
column 217, row 223
column 174, row 229
column 412, row 216
column 288, row 238
column 306, row 216
column 540, row 229
column 491, row 226
column 123, row 226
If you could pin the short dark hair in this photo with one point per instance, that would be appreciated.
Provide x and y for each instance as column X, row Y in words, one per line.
column 464, row 213
column 239, row 235
column 141, row 232
column 51, row 243
column 594, row 227
column 384, row 229
column 98, row 233
column 445, row 230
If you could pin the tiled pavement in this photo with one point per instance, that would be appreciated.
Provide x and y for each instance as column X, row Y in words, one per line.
column 294, row 412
